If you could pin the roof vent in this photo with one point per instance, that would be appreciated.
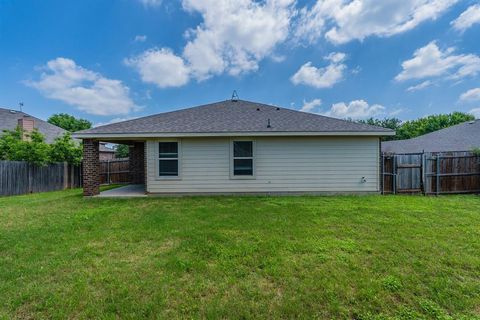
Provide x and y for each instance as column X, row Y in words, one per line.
column 258, row 109
column 472, row 122
column 13, row 111
column 278, row 108
column 234, row 96
column 268, row 124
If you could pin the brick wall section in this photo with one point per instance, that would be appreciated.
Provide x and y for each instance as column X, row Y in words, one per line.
column 137, row 163
column 91, row 168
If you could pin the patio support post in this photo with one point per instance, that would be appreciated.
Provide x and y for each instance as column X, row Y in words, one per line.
column 91, row 168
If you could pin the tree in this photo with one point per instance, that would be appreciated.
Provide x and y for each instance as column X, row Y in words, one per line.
column 65, row 149
column 121, row 151
column 35, row 150
column 390, row 123
column 69, row 123
column 414, row 128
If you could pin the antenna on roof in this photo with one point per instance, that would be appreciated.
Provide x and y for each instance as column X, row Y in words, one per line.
column 234, row 96
column 20, row 105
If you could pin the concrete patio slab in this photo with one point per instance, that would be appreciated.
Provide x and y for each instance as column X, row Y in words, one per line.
column 128, row 191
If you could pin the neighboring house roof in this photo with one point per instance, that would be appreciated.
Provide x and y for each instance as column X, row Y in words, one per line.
column 9, row 121
column 104, row 148
column 461, row 137
column 232, row 117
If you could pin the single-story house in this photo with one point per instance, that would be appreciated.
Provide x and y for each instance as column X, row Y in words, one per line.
column 10, row 119
column 237, row 146
column 461, row 137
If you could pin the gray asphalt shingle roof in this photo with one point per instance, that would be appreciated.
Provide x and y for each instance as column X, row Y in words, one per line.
column 233, row 116
column 9, row 121
column 461, row 137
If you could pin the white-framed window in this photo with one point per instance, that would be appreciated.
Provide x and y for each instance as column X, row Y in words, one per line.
column 242, row 159
column 168, row 159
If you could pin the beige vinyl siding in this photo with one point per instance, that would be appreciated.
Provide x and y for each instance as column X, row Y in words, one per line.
column 281, row 164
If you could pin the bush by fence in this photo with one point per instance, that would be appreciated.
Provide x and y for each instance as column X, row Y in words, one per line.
column 21, row 177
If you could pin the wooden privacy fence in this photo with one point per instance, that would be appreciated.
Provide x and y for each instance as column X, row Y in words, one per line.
column 21, row 177
column 115, row 171
column 431, row 173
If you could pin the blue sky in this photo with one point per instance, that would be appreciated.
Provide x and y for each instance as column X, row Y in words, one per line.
column 112, row 60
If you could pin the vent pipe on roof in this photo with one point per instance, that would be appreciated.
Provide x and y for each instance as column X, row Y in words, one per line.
column 268, row 124
column 234, row 96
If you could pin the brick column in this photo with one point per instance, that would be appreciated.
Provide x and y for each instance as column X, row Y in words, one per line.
column 91, row 168
column 137, row 163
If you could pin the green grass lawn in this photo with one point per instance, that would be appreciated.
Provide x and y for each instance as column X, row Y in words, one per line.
column 347, row 257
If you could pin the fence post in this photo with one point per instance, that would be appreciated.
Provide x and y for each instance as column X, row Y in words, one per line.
column 108, row 171
column 382, row 172
column 394, row 169
column 437, row 180
column 423, row 174
column 72, row 176
column 30, row 177
column 65, row 175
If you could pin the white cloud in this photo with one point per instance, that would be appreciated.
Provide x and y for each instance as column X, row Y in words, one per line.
column 430, row 61
column 160, row 67
column 140, row 38
column 420, row 86
column 309, row 106
column 89, row 91
column 357, row 109
column 233, row 37
column 471, row 95
column 151, row 3
column 475, row 112
column 341, row 21
column 467, row 19
column 324, row 77
column 396, row 112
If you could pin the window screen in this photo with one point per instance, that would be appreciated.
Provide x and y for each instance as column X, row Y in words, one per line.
column 243, row 158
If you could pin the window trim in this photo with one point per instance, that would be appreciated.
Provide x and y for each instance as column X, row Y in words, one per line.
column 157, row 159
column 232, row 158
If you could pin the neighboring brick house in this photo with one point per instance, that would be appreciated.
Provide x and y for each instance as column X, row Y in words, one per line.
column 10, row 119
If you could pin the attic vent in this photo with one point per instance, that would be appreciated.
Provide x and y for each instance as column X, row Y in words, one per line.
column 278, row 108
column 268, row 124
column 13, row 111
column 234, row 96
column 258, row 109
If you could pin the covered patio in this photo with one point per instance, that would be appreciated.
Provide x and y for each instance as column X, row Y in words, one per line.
column 91, row 169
